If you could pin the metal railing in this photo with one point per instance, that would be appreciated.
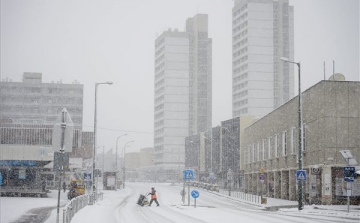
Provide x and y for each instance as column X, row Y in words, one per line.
column 77, row 203
column 242, row 196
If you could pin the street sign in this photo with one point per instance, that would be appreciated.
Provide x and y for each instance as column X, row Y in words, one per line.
column 61, row 161
column 189, row 174
column 262, row 170
column 315, row 170
column 87, row 176
column 262, row 178
column 62, row 135
column 301, row 175
column 195, row 194
column 349, row 173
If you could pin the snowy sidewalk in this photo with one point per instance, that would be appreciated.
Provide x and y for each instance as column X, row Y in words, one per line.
column 274, row 204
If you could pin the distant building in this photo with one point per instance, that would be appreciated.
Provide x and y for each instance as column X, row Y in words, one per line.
column 34, row 102
column 263, row 32
column 132, row 163
column 216, row 152
column 182, row 90
column 146, row 157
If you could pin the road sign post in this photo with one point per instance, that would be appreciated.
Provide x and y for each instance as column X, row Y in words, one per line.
column 301, row 175
column 189, row 174
column 349, row 176
column 62, row 139
column 195, row 194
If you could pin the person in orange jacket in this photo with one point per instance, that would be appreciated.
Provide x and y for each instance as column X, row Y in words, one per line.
column 153, row 197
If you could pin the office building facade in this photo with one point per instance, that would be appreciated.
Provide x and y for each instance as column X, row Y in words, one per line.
column 182, row 103
column 34, row 102
column 263, row 32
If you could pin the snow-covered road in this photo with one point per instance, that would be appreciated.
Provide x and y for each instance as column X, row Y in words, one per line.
column 120, row 206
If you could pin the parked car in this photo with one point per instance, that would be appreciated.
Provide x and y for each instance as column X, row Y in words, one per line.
column 208, row 186
column 215, row 187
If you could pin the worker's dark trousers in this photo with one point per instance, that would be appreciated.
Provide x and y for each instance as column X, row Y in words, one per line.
column 155, row 201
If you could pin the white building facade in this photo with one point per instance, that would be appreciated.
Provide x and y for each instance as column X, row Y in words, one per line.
column 263, row 32
column 182, row 103
column 171, row 112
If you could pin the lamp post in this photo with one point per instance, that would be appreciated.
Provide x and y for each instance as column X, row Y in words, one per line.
column 300, row 205
column 124, row 151
column 116, row 158
column 95, row 125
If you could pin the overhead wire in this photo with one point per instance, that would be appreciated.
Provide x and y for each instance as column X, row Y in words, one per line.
column 119, row 130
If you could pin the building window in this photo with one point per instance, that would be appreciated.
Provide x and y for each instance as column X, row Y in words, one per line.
column 258, row 151
column 284, row 144
column 253, row 153
column 263, row 149
column 269, row 148
column 292, row 140
column 276, row 145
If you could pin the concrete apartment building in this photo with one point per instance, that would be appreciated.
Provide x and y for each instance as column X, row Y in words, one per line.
column 263, row 31
column 31, row 104
column 182, row 103
column 28, row 110
column 331, row 122
column 34, row 102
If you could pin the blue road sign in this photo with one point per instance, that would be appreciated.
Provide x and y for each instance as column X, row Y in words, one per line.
column 189, row 174
column 262, row 177
column 349, row 173
column 195, row 194
column 87, row 176
column 301, row 175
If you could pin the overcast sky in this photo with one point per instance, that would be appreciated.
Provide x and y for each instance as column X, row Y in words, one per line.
column 113, row 40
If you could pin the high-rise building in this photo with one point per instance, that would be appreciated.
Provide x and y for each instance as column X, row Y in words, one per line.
column 200, row 74
column 182, row 103
column 263, row 32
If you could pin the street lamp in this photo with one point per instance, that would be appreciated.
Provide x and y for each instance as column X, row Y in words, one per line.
column 116, row 158
column 124, row 151
column 95, row 123
column 300, row 206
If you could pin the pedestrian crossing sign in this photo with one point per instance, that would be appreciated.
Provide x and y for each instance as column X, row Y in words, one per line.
column 189, row 174
column 301, row 175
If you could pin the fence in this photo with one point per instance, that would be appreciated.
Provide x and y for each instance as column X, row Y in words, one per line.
column 243, row 196
column 77, row 203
